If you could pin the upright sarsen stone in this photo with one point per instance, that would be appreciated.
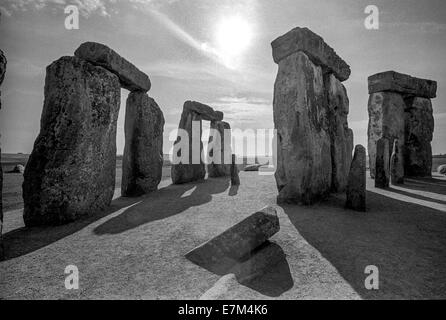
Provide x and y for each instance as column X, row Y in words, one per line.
column 386, row 120
column 396, row 164
column 341, row 135
column 220, row 145
column 356, row 187
column 143, row 153
column 314, row 143
column 71, row 170
column 382, row 175
column 418, row 135
column 304, row 164
column 130, row 77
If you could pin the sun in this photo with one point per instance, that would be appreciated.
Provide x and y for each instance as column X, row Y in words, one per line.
column 233, row 37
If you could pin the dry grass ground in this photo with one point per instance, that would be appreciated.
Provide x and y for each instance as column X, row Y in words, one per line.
column 137, row 248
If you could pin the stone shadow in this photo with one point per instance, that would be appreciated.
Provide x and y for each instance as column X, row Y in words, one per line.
column 25, row 240
column 164, row 203
column 406, row 241
column 264, row 270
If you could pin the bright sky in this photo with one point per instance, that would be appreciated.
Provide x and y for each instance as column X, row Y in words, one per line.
column 216, row 52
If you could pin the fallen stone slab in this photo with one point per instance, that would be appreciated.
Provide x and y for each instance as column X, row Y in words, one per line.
column 402, row 83
column 130, row 77
column 237, row 243
column 205, row 112
column 253, row 167
column 320, row 53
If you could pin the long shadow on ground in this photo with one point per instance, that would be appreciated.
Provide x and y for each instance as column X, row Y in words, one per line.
column 264, row 270
column 407, row 242
column 26, row 240
column 164, row 203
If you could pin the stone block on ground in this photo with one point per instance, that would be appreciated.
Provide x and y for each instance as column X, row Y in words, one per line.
column 71, row 170
column 130, row 76
column 239, row 241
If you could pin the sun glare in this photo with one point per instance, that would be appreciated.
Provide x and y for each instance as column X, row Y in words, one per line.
column 233, row 37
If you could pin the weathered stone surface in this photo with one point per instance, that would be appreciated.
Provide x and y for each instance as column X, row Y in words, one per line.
column 386, row 120
column 419, row 134
column 71, row 171
column 396, row 164
column 306, row 41
column 143, row 153
column 442, row 169
column 382, row 174
column 205, row 112
column 220, row 150
column 238, row 241
column 341, row 135
column 195, row 169
column 235, row 179
column 356, row 187
column 304, row 164
column 130, row 77
column 402, row 83
column 3, row 63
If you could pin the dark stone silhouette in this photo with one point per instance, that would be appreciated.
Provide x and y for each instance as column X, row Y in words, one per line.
column 235, row 179
column 220, row 149
column 382, row 164
column 356, row 187
column 3, row 63
column 396, row 164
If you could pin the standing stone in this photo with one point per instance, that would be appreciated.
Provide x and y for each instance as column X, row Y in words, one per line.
column 356, row 187
column 71, row 170
column 143, row 153
column 194, row 169
column 386, row 120
column 235, row 179
column 219, row 150
column 419, row 134
column 341, row 135
column 382, row 174
column 130, row 77
column 310, row 115
column 396, row 164
column 3, row 63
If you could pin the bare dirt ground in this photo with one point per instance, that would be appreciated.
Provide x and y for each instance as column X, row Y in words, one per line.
column 137, row 248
